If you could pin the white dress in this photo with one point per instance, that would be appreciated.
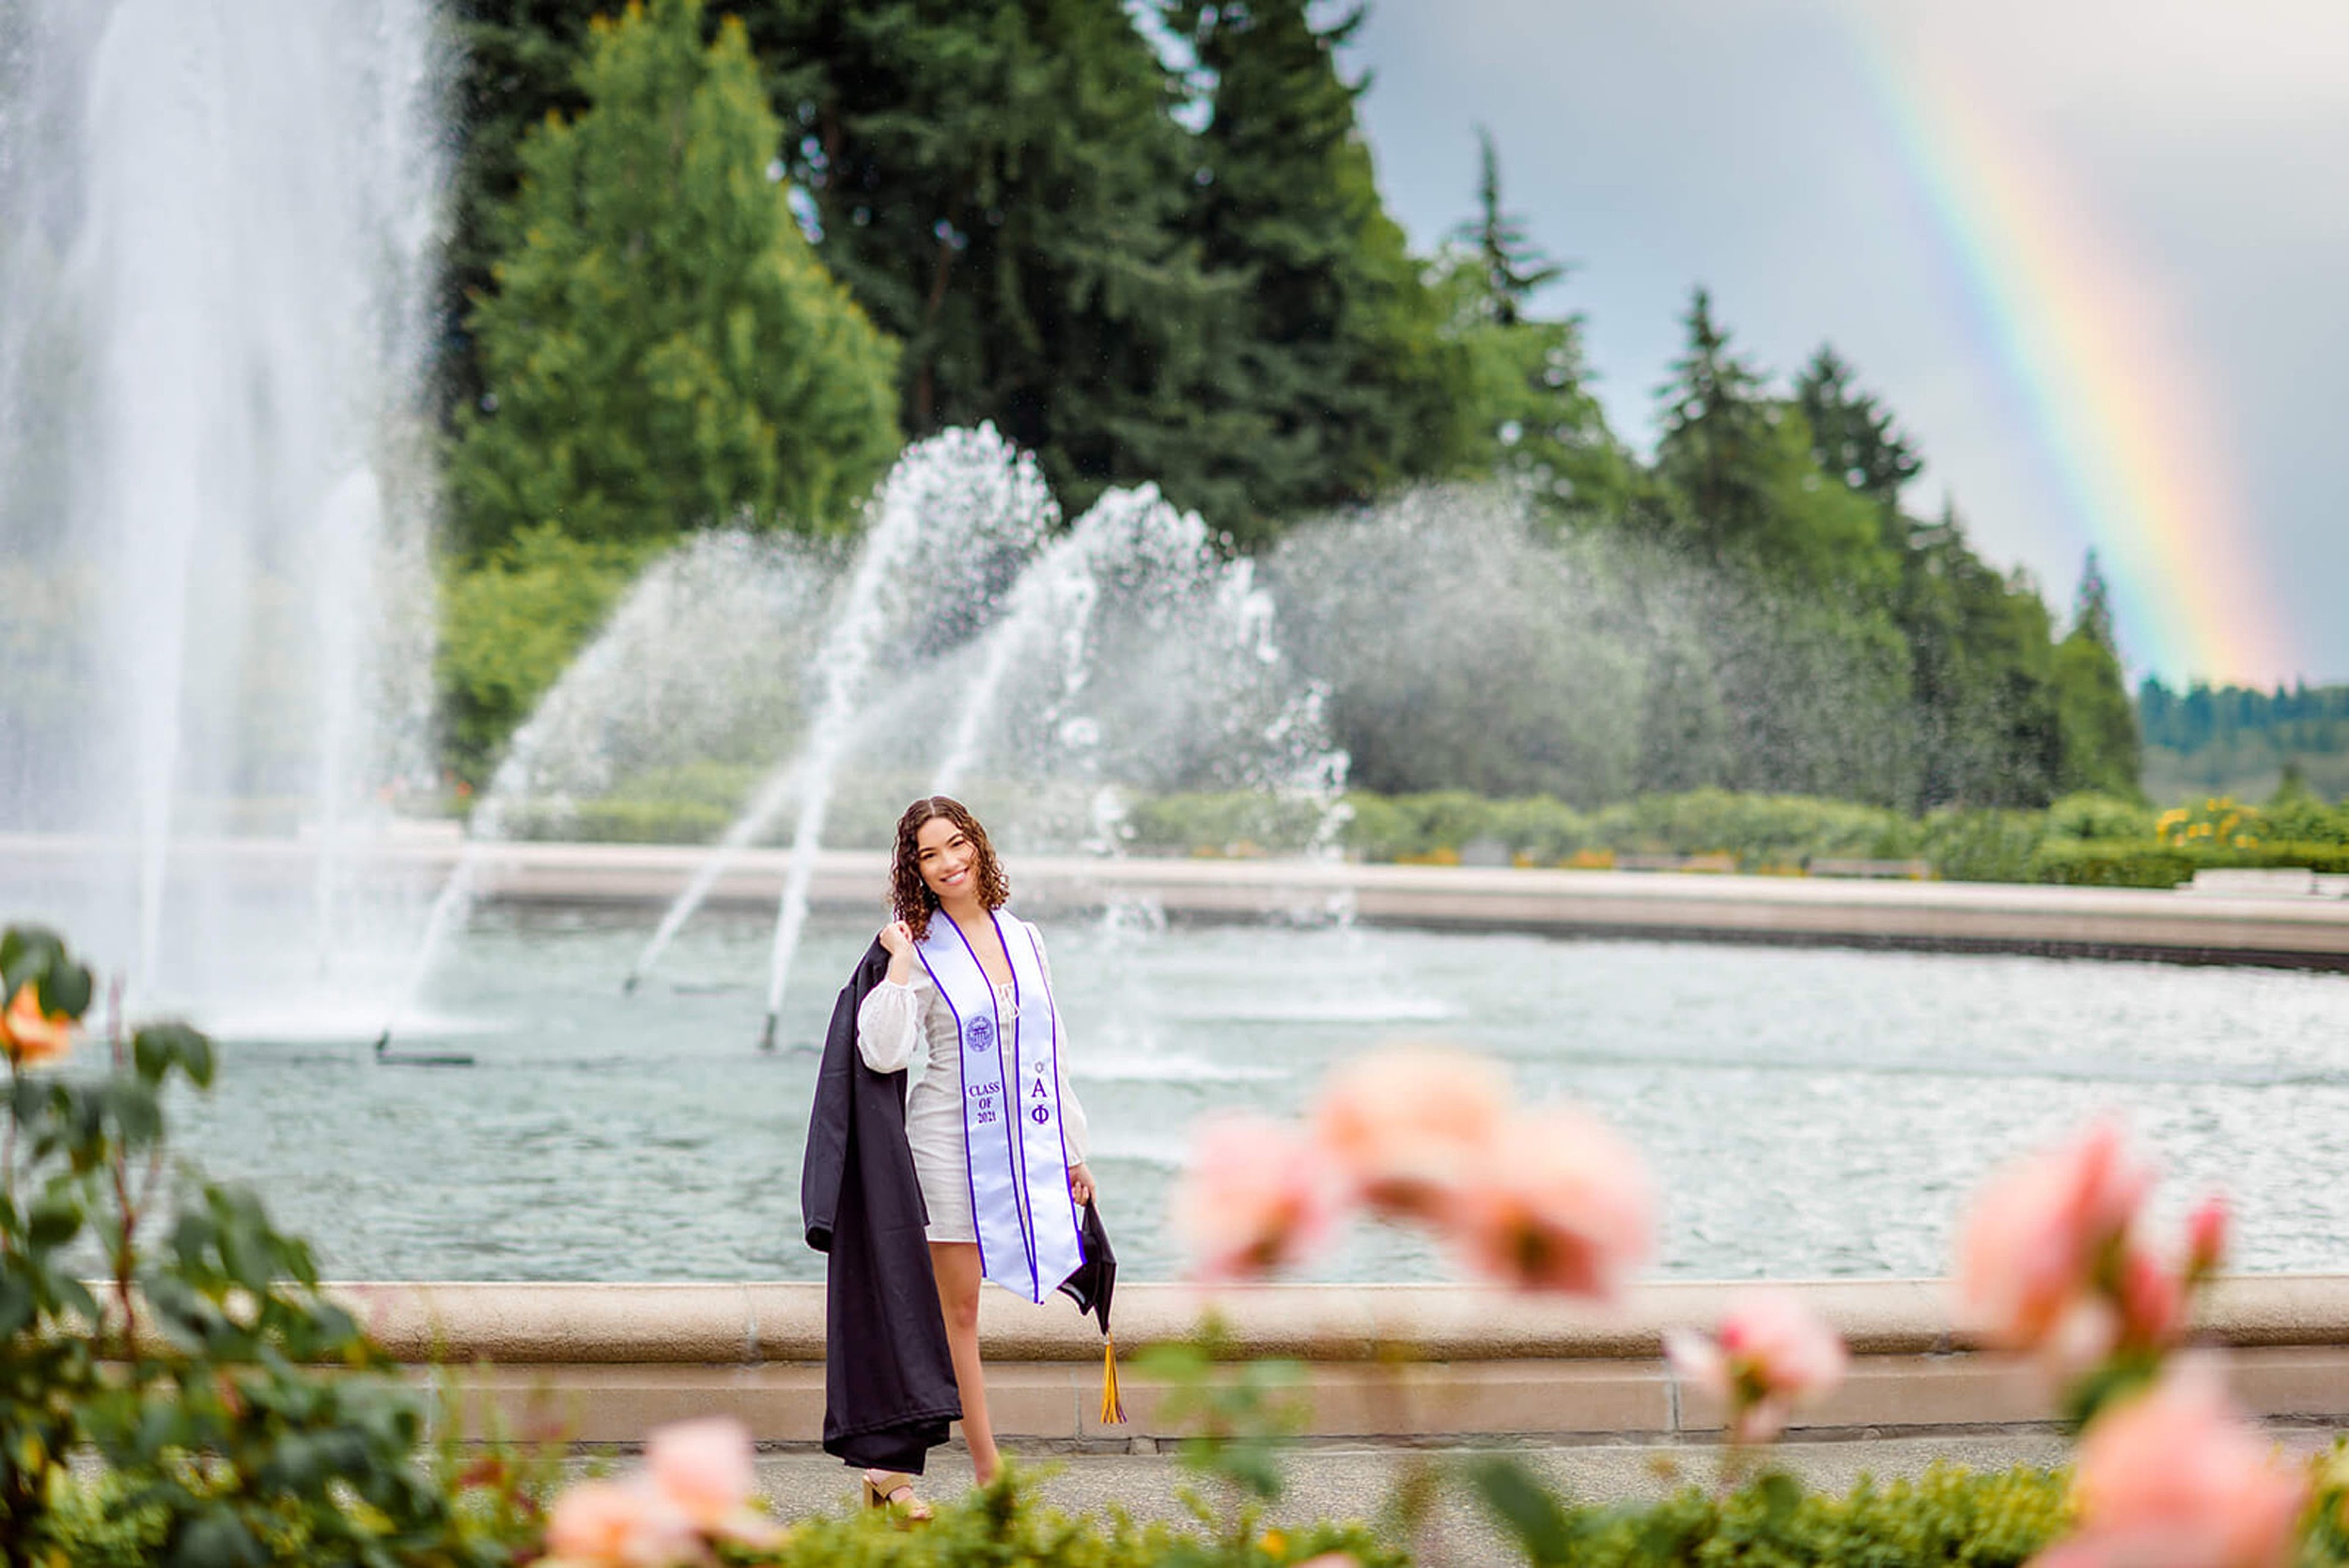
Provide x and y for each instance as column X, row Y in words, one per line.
column 911, row 1027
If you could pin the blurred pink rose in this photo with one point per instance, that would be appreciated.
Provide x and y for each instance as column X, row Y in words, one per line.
column 2172, row 1478
column 2206, row 1234
column 1257, row 1196
column 705, row 1470
column 2153, row 1302
column 617, row 1524
column 1404, row 1126
column 1771, row 1354
column 1557, row 1201
column 2041, row 1231
column 29, row 1036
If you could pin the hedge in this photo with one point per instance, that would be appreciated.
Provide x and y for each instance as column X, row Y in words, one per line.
column 2139, row 864
column 1944, row 1519
column 2086, row 840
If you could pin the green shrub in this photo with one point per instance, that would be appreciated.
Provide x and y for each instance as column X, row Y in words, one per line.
column 2143, row 864
column 1541, row 829
column 1228, row 823
column 2089, row 816
column 193, row 1389
column 510, row 626
column 1944, row 1519
column 2298, row 816
column 617, row 819
column 1378, row 829
column 1758, row 829
column 1983, row 844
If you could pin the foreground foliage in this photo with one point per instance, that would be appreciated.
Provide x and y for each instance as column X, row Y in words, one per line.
column 1944, row 1519
column 237, row 1416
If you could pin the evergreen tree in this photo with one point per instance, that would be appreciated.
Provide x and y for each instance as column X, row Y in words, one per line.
column 1002, row 183
column 1982, row 677
column 1330, row 376
column 1512, row 265
column 1533, row 417
column 1853, row 438
column 1717, row 447
column 516, row 63
column 1746, row 493
column 2101, row 747
column 662, row 349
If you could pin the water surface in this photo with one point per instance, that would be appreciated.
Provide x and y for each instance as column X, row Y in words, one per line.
column 1807, row 1113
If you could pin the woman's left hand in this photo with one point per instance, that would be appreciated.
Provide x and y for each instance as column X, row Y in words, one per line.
column 1080, row 1183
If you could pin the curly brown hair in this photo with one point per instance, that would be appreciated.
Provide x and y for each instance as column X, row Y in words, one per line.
column 910, row 897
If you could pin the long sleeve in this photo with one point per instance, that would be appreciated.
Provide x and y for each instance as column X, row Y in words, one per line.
column 1074, row 1131
column 889, row 1027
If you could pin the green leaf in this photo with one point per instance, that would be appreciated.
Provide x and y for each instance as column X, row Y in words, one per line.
column 157, row 1047
column 1780, row 1495
column 218, row 1539
column 56, row 1218
column 137, row 1115
column 75, row 1297
column 1526, row 1507
column 65, row 989
column 16, row 1305
column 27, row 953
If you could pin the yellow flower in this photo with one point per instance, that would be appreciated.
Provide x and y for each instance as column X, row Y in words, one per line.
column 29, row 1036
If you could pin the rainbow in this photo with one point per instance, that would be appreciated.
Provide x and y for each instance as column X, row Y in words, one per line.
column 2084, row 342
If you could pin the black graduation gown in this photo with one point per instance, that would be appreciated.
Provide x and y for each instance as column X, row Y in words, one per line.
column 889, row 1379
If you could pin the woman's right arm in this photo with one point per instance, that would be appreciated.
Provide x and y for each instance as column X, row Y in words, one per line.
column 889, row 1026
column 889, row 1021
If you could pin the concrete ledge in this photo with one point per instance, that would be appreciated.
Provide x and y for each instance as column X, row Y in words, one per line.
column 2310, row 932
column 606, row 1362
column 749, row 1325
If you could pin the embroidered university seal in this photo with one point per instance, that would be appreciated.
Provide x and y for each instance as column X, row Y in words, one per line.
column 981, row 1034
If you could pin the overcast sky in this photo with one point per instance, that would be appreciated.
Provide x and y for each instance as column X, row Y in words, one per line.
column 2201, row 145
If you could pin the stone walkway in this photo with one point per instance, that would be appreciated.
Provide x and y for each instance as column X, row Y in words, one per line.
column 1351, row 1482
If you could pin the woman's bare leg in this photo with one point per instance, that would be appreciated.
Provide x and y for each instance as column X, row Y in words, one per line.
column 957, row 1265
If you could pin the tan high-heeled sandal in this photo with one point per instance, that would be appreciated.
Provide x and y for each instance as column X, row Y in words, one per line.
column 893, row 1491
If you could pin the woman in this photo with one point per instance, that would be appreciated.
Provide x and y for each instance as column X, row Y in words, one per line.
column 997, row 1136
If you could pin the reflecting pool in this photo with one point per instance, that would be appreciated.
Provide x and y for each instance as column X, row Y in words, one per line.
column 1807, row 1112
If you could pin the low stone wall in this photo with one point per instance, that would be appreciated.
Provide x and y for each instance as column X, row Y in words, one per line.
column 1383, row 1362
column 2197, row 927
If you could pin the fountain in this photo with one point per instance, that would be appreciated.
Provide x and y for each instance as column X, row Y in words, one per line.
column 1124, row 655
column 212, row 497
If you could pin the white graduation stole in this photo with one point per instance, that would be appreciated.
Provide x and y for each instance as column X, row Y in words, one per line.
column 1012, row 1139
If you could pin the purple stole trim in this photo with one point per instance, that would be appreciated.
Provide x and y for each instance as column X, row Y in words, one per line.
column 1015, row 1157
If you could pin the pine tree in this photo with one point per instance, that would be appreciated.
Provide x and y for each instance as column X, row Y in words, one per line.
column 1982, row 677
column 662, row 349
column 1717, row 443
column 1533, row 417
column 516, row 63
column 1852, row 435
column 2102, row 749
column 1513, row 267
column 1002, row 183
column 1330, row 377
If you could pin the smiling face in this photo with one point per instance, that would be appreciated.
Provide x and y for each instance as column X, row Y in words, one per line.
column 948, row 860
column 942, row 857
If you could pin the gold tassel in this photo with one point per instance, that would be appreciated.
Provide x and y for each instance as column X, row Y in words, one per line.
column 1112, row 1408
